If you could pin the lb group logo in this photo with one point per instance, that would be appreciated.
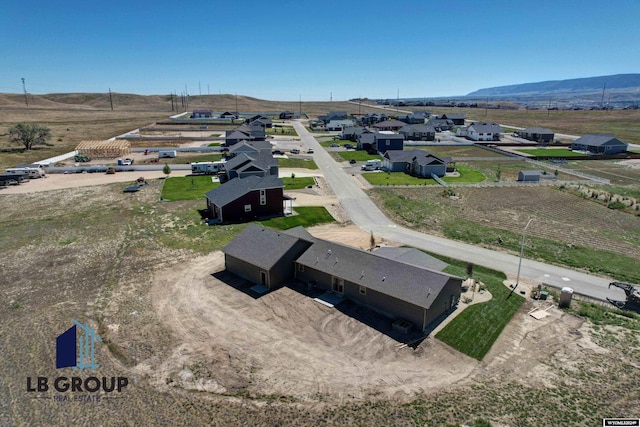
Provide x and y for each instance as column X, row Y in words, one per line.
column 76, row 349
column 70, row 354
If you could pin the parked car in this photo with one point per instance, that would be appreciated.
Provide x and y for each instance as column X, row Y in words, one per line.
column 348, row 146
column 127, row 162
column 310, row 151
column 334, row 145
column 295, row 151
column 352, row 162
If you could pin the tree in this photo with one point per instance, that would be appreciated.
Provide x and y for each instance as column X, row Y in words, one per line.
column 498, row 173
column 166, row 169
column 29, row 134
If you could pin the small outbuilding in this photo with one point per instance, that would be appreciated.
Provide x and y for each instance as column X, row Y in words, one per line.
column 529, row 176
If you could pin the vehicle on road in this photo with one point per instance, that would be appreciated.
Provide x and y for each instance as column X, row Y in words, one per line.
column 295, row 151
column 310, row 151
column 167, row 154
column 352, row 162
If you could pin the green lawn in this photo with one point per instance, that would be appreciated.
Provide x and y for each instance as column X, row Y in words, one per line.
column 297, row 163
column 281, row 130
column 187, row 187
column 306, row 217
column 550, row 152
column 359, row 155
column 340, row 142
column 474, row 331
column 467, row 175
column 214, row 144
column 297, row 183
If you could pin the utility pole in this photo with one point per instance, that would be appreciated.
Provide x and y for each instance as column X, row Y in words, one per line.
column 24, row 88
column 524, row 232
column 110, row 99
column 236, row 103
column 602, row 99
column 208, row 90
column 199, row 88
column 300, row 103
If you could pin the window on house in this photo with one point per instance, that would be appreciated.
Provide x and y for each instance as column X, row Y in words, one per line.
column 300, row 267
column 388, row 142
column 363, row 290
column 247, row 208
column 263, row 197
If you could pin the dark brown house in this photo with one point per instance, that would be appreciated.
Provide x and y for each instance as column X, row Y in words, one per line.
column 246, row 199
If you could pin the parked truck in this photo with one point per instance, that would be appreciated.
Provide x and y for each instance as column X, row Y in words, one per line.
column 207, row 168
column 167, row 154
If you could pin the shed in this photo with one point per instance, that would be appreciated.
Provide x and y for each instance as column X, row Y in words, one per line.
column 529, row 176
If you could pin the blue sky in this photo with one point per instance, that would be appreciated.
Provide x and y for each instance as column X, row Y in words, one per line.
column 287, row 50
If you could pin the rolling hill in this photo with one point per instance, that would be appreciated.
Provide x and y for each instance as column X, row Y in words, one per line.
column 619, row 83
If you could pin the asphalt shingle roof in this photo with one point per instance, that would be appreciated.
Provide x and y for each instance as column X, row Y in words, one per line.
column 238, row 187
column 598, row 139
column 250, row 246
column 406, row 282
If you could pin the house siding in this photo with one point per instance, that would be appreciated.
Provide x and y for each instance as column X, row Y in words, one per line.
column 244, row 269
column 273, row 207
column 387, row 305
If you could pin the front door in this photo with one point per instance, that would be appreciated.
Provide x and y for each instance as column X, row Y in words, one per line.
column 263, row 278
column 337, row 285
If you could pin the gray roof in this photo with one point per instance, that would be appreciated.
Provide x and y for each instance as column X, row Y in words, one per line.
column 389, row 124
column 301, row 233
column 263, row 159
column 238, row 187
column 406, row 282
column 530, row 172
column 598, row 139
column 454, row 116
column 486, row 127
column 542, row 131
column 409, row 155
column 417, row 128
column 440, row 122
column 412, row 256
column 254, row 146
column 250, row 245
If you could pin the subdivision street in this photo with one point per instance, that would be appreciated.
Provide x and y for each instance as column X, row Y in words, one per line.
column 365, row 214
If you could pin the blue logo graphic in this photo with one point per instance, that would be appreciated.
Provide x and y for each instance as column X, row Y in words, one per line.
column 74, row 352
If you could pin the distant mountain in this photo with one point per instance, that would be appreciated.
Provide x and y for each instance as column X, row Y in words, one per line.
column 618, row 82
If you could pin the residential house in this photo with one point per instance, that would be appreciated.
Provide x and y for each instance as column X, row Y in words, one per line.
column 246, row 199
column 389, row 125
column 418, row 132
column 415, row 118
column 250, row 148
column 339, row 125
column 264, row 256
column 383, row 142
column 230, row 115
column 457, row 119
column 415, row 162
column 243, row 165
column 334, row 115
column 385, row 284
column 599, row 144
column 351, row 133
column 201, row 114
column 441, row 125
column 537, row 134
column 397, row 290
column 260, row 121
column 286, row 115
column 484, row 131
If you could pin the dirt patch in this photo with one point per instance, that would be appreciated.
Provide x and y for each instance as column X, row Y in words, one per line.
column 284, row 343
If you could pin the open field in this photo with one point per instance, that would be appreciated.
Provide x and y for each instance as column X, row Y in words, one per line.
column 457, row 151
column 550, row 152
column 568, row 230
column 624, row 124
column 619, row 172
column 201, row 351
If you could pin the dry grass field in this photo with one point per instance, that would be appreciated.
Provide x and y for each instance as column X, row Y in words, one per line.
column 198, row 349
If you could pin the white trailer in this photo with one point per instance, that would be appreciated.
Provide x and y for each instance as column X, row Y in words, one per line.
column 207, row 168
column 167, row 154
column 372, row 165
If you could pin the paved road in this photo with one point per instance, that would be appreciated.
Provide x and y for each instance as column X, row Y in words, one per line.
column 364, row 213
